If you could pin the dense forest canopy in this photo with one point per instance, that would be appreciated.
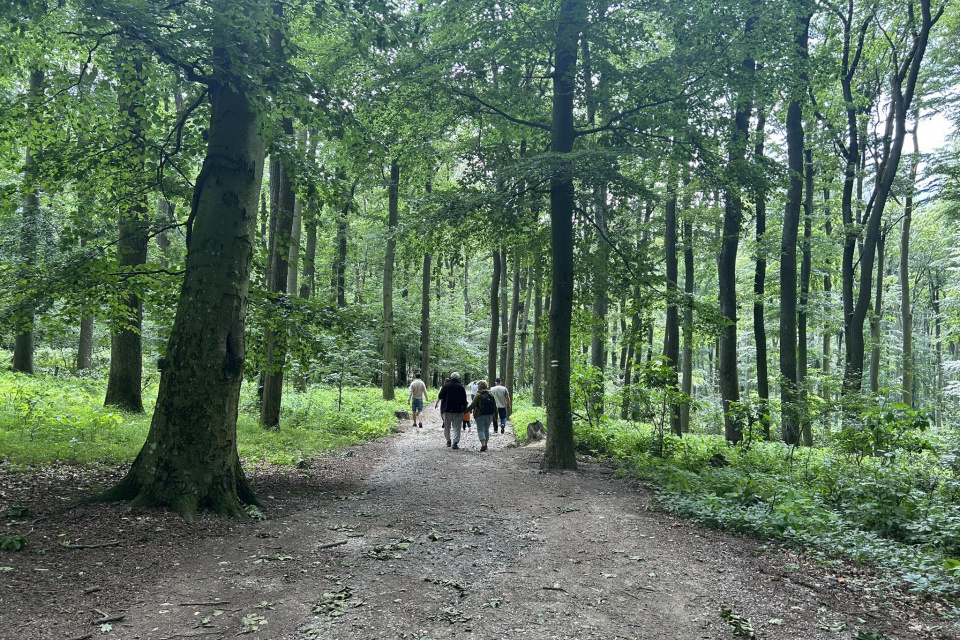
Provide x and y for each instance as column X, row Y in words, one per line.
column 709, row 217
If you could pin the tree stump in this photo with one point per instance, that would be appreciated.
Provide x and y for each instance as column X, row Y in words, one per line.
column 402, row 415
column 536, row 431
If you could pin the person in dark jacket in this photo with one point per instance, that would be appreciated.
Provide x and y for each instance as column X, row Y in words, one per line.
column 453, row 402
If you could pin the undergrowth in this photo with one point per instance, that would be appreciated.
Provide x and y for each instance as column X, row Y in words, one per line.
column 46, row 419
column 895, row 507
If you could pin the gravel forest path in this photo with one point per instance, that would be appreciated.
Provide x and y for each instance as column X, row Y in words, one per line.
column 406, row 538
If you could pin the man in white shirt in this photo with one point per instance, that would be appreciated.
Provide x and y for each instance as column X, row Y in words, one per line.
column 502, row 396
column 416, row 397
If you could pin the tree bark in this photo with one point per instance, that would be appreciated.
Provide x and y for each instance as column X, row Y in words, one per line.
column 559, row 451
column 124, row 384
column 425, row 319
column 790, row 399
column 29, row 234
column 903, row 82
column 671, row 339
column 389, row 382
column 190, row 459
column 759, row 290
column 906, row 308
column 504, row 317
column 876, row 337
column 727, row 269
column 601, row 302
column 537, row 344
column 510, row 378
column 275, row 348
column 524, row 315
column 308, row 284
column 494, row 318
column 806, row 431
column 686, row 378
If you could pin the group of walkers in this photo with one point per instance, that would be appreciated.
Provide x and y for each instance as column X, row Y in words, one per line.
column 488, row 406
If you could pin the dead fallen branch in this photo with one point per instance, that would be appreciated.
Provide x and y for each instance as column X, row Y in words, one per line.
column 112, row 543
column 107, row 619
column 328, row 545
column 92, row 589
column 203, row 604
column 85, row 636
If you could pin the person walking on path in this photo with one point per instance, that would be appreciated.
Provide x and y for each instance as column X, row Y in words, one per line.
column 484, row 409
column 416, row 397
column 502, row 396
column 453, row 402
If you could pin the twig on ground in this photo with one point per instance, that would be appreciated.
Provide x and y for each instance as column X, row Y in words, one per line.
column 85, row 636
column 553, row 588
column 112, row 543
column 106, row 619
column 92, row 589
column 203, row 604
column 333, row 544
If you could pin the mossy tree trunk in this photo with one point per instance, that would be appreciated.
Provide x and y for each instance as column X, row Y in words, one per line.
column 559, row 452
column 190, row 460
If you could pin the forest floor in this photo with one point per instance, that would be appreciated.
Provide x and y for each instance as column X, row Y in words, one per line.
column 406, row 538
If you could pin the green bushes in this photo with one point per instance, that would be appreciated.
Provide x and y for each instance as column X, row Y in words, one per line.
column 885, row 493
column 46, row 419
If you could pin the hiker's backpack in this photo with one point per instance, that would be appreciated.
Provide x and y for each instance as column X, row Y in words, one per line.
column 488, row 404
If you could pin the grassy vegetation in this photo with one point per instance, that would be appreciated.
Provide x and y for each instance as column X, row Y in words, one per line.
column 882, row 491
column 46, row 419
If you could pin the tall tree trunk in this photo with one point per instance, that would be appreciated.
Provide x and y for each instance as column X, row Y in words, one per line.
column 537, row 344
column 671, row 339
column 876, row 337
column 425, row 319
column 806, row 431
column 906, row 309
column 85, row 343
column 389, row 364
column 190, row 459
column 275, row 348
column 340, row 262
column 124, row 384
column 789, row 389
column 466, row 290
column 759, row 290
column 727, row 269
column 504, row 317
column 494, row 318
column 903, row 82
column 522, row 375
column 29, row 233
column 510, row 378
column 308, row 284
column 601, row 302
column 828, row 329
column 559, row 451
column 293, row 260
column 625, row 404
column 686, row 377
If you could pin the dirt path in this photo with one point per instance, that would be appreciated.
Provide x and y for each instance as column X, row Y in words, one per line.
column 407, row 538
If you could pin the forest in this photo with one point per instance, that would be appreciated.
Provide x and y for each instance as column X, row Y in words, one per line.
column 714, row 241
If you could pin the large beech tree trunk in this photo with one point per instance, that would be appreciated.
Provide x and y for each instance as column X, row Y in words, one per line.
column 29, row 234
column 494, row 319
column 504, row 317
column 389, row 372
column 806, row 428
column 559, row 451
column 189, row 459
column 124, row 383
